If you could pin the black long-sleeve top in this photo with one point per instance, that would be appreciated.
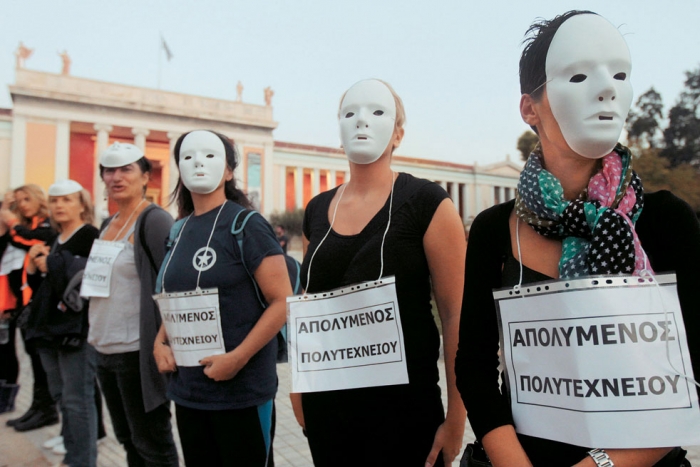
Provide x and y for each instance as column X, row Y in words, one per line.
column 670, row 235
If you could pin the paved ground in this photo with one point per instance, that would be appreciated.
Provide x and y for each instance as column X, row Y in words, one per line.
column 291, row 448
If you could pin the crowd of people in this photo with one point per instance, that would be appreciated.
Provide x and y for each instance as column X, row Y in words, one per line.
column 146, row 311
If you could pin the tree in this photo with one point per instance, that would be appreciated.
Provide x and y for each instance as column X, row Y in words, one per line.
column 643, row 123
column 657, row 174
column 682, row 136
column 526, row 143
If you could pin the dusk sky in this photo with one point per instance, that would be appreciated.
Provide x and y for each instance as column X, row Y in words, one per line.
column 454, row 63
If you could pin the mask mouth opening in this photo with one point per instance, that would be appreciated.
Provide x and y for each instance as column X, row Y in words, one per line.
column 363, row 138
column 604, row 117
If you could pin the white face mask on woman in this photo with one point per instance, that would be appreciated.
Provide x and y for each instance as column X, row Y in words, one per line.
column 588, row 83
column 367, row 117
column 202, row 162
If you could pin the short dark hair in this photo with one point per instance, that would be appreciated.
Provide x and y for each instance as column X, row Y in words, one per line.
column 143, row 163
column 182, row 195
column 533, row 60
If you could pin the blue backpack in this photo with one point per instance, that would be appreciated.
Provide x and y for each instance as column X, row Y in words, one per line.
column 293, row 269
column 238, row 231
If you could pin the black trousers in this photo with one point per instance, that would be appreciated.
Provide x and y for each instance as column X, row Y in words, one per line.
column 213, row 438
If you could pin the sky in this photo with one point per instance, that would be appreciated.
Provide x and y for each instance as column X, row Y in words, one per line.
column 453, row 62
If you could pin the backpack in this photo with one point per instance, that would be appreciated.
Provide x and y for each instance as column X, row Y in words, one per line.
column 238, row 231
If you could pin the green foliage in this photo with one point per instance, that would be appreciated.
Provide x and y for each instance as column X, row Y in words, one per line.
column 290, row 220
column 643, row 127
column 682, row 136
column 526, row 143
column 657, row 174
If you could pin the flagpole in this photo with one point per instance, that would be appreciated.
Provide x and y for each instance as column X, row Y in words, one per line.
column 160, row 59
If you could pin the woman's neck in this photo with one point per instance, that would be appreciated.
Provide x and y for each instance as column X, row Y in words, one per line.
column 205, row 203
column 370, row 178
column 69, row 227
column 126, row 207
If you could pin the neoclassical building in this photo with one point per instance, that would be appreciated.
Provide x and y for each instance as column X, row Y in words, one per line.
column 59, row 124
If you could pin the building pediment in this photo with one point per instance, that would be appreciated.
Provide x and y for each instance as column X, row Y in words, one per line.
column 71, row 89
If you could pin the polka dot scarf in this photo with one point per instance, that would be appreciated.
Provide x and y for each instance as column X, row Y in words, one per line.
column 596, row 229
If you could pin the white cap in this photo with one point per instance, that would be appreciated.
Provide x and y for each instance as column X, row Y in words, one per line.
column 65, row 187
column 120, row 154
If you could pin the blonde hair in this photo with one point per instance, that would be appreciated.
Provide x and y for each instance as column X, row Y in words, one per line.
column 87, row 216
column 36, row 192
column 400, row 111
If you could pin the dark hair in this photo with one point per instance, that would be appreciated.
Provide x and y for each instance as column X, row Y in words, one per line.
column 182, row 195
column 143, row 163
column 533, row 60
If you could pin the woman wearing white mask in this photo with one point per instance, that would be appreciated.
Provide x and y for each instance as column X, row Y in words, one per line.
column 580, row 211
column 217, row 339
column 58, row 324
column 408, row 228
column 120, row 279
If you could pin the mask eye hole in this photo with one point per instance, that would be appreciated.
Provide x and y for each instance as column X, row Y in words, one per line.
column 378, row 113
column 187, row 158
column 210, row 156
column 349, row 114
column 620, row 76
column 578, row 78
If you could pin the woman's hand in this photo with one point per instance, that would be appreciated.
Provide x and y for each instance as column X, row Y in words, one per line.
column 295, row 397
column 37, row 258
column 165, row 359
column 223, row 367
column 448, row 439
column 163, row 353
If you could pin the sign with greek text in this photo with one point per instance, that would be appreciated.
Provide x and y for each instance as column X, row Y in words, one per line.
column 599, row 362
column 193, row 324
column 346, row 338
column 98, row 270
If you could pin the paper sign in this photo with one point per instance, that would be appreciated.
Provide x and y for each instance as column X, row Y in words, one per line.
column 98, row 270
column 193, row 325
column 586, row 362
column 346, row 338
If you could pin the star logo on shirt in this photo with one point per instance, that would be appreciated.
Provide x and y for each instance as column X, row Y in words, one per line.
column 204, row 259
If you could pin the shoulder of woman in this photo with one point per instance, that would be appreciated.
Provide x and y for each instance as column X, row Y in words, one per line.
column 156, row 217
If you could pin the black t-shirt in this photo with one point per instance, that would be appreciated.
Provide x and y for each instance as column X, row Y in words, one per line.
column 670, row 235
column 348, row 259
column 238, row 303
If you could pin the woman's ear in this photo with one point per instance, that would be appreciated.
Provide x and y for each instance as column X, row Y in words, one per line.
column 398, row 137
column 528, row 112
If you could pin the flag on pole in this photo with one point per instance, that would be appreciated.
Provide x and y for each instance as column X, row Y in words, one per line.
column 166, row 49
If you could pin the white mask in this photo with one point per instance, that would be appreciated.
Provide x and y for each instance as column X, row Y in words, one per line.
column 202, row 162
column 367, row 116
column 588, row 83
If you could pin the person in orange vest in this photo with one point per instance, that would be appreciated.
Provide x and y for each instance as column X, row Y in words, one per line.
column 23, row 223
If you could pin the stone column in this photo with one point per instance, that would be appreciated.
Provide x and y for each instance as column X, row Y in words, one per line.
column 173, row 173
column 267, row 168
column 331, row 179
column 316, row 182
column 502, row 194
column 98, row 186
column 282, row 188
column 443, row 184
column 19, row 151
column 463, row 207
column 454, row 193
column 140, row 138
column 62, row 162
column 299, row 187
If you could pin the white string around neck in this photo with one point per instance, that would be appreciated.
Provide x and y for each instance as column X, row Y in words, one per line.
column 128, row 219
column 177, row 241
column 335, row 212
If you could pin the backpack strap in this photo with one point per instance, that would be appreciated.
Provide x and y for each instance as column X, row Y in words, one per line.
column 237, row 229
column 174, row 232
column 142, row 239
